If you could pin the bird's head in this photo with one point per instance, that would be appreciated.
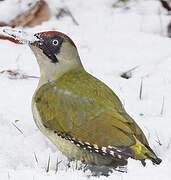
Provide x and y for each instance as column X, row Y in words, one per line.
column 56, row 54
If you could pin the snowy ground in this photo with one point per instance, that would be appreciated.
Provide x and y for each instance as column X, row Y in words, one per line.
column 110, row 41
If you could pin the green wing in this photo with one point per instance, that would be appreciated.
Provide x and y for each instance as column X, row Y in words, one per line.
column 85, row 108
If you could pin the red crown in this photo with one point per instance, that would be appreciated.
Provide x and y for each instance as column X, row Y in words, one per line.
column 60, row 34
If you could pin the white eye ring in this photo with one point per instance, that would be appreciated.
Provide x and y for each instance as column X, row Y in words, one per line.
column 55, row 42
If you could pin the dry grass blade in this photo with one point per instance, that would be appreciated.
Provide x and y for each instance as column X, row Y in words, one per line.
column 57, row 165
column 35, row 156
column 140, row 92
column 17, row 128
column 162, row 108
column 48, row 165
column 158, row 140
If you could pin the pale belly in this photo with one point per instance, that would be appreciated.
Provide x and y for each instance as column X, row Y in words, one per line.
column 69, row 149
column 65, row 146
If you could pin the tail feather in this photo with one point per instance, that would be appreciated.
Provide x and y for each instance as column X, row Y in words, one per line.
column 154, row 160
column 143, row 152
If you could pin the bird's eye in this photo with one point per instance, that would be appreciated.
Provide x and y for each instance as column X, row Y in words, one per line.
column 55, row 42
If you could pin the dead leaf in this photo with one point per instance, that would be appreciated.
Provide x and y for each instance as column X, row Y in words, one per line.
column 37, row 14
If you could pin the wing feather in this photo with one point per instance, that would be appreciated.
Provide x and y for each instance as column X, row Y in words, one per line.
column 85, row 108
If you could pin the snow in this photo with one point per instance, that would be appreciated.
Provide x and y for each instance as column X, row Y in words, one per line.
column 110, row 42
column 17, row 34
column 11, row 9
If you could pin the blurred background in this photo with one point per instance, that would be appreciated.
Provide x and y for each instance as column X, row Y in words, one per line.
column 125, row 43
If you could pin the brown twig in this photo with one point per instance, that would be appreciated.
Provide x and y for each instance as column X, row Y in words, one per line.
column 165, row 4
column 10, row 39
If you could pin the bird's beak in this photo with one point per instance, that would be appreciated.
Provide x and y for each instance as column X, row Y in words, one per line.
column 38, row 41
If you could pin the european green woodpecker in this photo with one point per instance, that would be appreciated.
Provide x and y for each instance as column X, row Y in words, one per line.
column 81, row 115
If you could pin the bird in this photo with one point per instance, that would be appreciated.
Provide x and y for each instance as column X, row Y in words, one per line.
column 80, row 114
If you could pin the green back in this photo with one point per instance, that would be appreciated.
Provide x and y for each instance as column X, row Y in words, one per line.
column 84, row 107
